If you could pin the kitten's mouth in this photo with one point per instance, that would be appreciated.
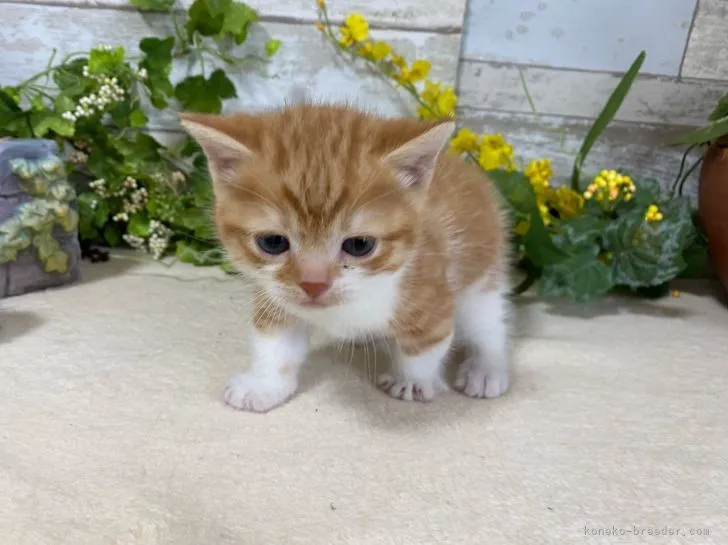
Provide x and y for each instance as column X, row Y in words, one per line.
column 315, row 304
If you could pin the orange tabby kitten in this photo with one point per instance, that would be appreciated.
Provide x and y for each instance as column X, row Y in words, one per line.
column 360, row 226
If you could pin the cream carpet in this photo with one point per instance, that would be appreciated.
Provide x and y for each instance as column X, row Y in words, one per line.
column 112, row 429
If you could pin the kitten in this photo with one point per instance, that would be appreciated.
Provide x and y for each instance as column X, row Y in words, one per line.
column 364, row 227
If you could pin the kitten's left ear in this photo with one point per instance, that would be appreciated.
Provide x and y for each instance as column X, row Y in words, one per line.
column 223, row 152
column 414, row 162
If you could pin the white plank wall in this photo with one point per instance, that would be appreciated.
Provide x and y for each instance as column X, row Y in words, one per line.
column 570, row 58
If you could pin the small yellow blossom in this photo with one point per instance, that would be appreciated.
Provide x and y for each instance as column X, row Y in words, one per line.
column 374, row 51
column 545, row 213
column 440, row 102
column 653, row 214
column 522, row 227
column 398, row 61
column 610, row 185
column 320, row 26
column 321, row 4
column 567, row 202
column 539, row 172
column 355, row 29
column 495, row 153
column 465, row 141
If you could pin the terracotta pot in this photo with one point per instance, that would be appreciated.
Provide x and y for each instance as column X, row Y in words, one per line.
column 713, row 205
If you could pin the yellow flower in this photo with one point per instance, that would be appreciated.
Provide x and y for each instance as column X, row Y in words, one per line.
column 495, row 153
column 355, row 29
column 420, row 69
column 653, row 213
column 440, row 102
column 321, row 4
column 446, row 102
column 545, row 213
column 381, row 50
column 320, row 26
column 465, row 141
column 539, row 172
column 398, row 61
column 522, row 227
column 610, row 185
column 567, row 202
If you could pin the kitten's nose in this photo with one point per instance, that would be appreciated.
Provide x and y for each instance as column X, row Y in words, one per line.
column 314, row 289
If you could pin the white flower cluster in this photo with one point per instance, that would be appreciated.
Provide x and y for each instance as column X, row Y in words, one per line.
column 138, row 243
column 178, row 177
column 78, row 157
column 109, row 93
column 134, row 200
column 99, row 187
column 141, row 73
column 159, row 235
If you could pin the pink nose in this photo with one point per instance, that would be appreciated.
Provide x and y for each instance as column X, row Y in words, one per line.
column 314, row 289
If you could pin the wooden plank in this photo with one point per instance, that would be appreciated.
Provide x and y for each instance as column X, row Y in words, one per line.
column 707, row 51
column 600, row 35
column 403, row 14
column 556, row 92
column 638, row 148
column 29, row 34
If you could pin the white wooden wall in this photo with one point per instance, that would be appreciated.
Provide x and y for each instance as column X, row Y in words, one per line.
column 570, row 53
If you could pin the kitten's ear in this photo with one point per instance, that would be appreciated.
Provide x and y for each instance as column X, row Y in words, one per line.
column 414, row 162
column 224, row 153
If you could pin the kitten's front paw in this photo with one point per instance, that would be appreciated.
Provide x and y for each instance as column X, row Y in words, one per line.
column 476, row 379
column 408, row 390
column 255, row 393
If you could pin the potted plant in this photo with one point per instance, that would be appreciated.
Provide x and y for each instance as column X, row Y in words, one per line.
column 713, row 183
column 39, row 245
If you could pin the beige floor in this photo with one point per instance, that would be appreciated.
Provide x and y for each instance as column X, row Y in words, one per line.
column 112, row 429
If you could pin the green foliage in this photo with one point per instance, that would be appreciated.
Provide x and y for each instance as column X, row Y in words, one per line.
column 132, row 189
column 605, row 116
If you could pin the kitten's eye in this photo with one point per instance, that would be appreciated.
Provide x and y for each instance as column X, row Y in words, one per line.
column 273, row 244
column 359, row 246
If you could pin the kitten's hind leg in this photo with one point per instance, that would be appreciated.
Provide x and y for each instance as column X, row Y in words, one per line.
column 481, row 318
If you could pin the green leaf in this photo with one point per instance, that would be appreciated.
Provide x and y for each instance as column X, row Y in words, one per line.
column 705, row 134
column 188, row 252
column 64, row 103
column 112, row 235
column 539, row 247
column 153, row 5
column 207, row 17
column 580, row 278
column 237, row 19
column 138, row 225
column 158, row 64
column 579, row 234
column 721, row 110
column 46, row 121
column 605, row 116
column 272, row 47
column 516, row 189
column 198, row 94
column 105, row 61
column 649, row 253
column 9, row 109
column 70, row 83
column 138, row 118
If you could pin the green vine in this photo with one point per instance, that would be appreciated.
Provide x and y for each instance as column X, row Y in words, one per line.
column 134, row 189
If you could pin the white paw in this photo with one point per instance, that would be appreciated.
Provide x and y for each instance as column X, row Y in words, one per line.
column 256, row 393
column 408, row 390
column 476, row 379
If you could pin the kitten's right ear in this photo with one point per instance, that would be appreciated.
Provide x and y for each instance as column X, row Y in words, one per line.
column 223, row 152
